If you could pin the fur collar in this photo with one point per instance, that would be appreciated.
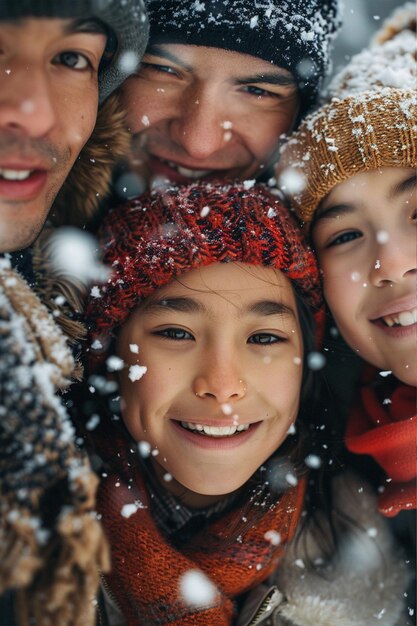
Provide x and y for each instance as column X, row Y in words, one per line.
column 88, row 183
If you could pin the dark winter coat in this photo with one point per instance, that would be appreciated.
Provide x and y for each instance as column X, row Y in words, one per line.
column 51, row 545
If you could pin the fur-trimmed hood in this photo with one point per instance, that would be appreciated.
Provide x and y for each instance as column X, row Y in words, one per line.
column 88, row 183
column 77, row 205
column 362, row 584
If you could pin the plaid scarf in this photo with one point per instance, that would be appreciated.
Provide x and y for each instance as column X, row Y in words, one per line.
column 233, row 552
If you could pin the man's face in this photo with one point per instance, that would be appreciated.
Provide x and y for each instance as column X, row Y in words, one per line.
column 48, row 109
column 223, row 351
column 200, row 112
column 365, row 237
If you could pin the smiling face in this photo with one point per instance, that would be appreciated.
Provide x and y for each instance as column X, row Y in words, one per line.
column 223, row 351
column 365, row 237
column 48, row 109
column 201, row 112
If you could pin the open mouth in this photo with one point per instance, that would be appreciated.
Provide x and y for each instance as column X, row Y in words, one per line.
column 185, row 171
column 404, row 318
column 15, row 175
column 215, row 431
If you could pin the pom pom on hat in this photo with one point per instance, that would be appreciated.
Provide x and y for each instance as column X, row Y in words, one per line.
column 164, row 234
column 368, row 122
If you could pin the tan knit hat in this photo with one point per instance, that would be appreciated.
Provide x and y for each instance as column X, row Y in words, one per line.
column 368, row 122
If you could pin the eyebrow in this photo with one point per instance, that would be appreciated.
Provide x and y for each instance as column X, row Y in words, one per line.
column 280, row 78
column 264, row 308
column 333, row 211
column 397, row 189
column 409, row 184
column 271, row 78
column 86, row 25
column 156, row 50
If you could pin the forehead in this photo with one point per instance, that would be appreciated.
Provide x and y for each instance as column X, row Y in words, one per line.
column 32, row 27
column 241, row 280
column 386, row 182
column 218, row 59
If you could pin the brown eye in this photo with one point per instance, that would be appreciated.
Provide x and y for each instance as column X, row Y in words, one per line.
column 265, row 339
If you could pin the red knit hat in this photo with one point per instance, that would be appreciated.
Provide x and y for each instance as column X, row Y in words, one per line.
column 163, row 234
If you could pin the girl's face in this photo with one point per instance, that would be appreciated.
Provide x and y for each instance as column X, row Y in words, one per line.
column 365, row 238
column 223, row 350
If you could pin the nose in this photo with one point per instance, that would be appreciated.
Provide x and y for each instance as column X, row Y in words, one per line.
column 26, row 104
column 201, row 127
column 220, row 382
column 395, row 259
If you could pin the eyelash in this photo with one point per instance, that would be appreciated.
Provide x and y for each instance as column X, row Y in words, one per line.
column 258, row 92
column 156, row 67
column 252, row 90
column 344, row 238
column 58, row 60
column 178, row 334
column 172, row 334
column 268, row 336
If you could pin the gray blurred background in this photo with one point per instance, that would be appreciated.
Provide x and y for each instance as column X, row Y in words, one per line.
column 361, row 19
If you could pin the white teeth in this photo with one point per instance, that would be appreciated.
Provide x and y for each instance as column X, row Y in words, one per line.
column 15, row 174
column 184, row 171
column 215, row 431
column 405, row 318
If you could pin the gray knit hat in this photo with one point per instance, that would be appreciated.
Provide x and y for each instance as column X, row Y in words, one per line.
column 126, row 20
column 292, row 34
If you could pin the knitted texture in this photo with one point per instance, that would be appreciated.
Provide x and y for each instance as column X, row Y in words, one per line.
column 51, row 545
column 387, row 431
column 369, row 121
column 149, row 241
column 295, row 35
column 127, row 21
column 232, row 552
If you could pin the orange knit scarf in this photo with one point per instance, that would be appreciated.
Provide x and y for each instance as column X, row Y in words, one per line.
column 383, row 425
column 146, row 570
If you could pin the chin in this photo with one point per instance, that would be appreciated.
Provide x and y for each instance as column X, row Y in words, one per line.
column 407, row 377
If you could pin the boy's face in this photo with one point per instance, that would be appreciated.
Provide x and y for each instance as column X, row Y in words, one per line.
column 48, row 109
column 223, row 351
column 365, row 237
column 199, row 112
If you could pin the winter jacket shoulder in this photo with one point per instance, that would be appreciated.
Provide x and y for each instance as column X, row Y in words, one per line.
column 361, row 584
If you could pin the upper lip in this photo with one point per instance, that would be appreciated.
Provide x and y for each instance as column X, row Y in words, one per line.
column 20, row 165
column 405, row 304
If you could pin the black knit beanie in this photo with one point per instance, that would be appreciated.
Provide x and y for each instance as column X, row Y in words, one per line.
column 125, row 20
column 293, row 34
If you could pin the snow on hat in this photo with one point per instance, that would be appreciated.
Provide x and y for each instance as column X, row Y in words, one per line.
column 292, row 34
column 127, row 23
column 368, row 122
column 160, row 235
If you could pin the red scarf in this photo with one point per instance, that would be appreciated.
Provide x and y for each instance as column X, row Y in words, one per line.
column 383, row 424
column 146, row 569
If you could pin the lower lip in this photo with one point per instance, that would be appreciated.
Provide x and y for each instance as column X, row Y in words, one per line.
column 215, row 443
column 397, row 332
column 21, row 190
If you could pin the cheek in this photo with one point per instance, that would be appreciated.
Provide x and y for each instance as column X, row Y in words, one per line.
column 79, row 123
column 282, row 387
column 264, row 142
column 145, row 104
